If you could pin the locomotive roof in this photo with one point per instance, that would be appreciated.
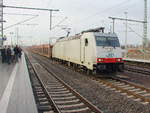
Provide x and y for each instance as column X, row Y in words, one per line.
column 99, row 29
column 79, row 36
column 69, row 38
column 105, row 34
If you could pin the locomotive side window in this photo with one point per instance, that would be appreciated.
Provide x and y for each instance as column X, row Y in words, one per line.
column 86, row 42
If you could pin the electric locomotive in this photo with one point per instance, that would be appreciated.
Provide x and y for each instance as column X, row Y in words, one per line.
column 92, row 50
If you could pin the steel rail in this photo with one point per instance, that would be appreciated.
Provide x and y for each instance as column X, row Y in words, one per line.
column 129, row 92
column 133, row 84
column 54, row 105
column 124, row 90
column 85, row 101
column 133, row 68
column 92, row 107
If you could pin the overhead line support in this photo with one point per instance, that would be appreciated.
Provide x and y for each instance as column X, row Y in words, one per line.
column 40, row 9
column 30, row 8
column 139, row 21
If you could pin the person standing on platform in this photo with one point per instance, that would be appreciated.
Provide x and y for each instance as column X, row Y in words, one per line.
column 16, row 52
column 8, row 55
column 3, row 54
column 12, row 54
column 20, row 52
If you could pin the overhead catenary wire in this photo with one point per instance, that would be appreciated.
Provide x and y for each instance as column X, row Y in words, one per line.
column 135, row 32
column 32, row 8
column 20, row 22
column 103, row 11
column 19, row 14
column 59, row 23
column 49, row 3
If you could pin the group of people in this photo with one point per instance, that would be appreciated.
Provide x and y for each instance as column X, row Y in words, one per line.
column 10, row 54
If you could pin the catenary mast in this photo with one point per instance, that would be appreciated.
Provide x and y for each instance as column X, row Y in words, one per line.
column 145, row 25
column 1, row 22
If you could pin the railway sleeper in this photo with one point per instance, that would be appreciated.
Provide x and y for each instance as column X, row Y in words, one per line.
column 140, row 92
column 129, row 88
column 71, row 106
column 59, row 92
column 61, row 95
column 124, row 86
column 55, row 87
column 134, row 90
column 146, row 95
column 137, row 100
column 45, row 108
column 67, row 101
column 128, row 92
column 119, row 84
column 42, row 99
column 63, row 98
column 82, row 110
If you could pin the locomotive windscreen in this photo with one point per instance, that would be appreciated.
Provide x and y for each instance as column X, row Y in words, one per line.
column 107, row 41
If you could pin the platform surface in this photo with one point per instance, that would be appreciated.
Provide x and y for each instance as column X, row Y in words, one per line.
column 16, row 94
column 136, row 60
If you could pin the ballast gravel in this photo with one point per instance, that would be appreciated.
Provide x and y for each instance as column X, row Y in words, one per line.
column 104, row 98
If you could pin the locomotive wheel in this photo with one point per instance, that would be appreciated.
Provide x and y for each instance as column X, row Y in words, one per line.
column 88, row 72
column 114, row 69
column 69, row 64
column 94, row 72
column 121, row 68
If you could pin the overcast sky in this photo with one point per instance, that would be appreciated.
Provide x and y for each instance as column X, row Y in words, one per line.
column 78, row 15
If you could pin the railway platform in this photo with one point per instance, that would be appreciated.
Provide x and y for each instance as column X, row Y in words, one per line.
column 136, row 60
column 16, row 94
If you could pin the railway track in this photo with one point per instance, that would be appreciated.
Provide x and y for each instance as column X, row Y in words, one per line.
column 137, row 69
column 43, row 100
column 126, row 88
column 60, row 97
column 131, row 90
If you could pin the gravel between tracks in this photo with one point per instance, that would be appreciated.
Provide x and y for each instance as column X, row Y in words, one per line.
column 105, row 99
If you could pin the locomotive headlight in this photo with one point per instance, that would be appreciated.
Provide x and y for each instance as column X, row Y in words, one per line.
column 119, row 60
column 100, row 60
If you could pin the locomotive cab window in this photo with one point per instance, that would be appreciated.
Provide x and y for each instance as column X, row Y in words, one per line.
column 107, row 41
column 86, row 42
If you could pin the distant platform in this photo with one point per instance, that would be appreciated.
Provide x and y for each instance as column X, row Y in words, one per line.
column 16, row 94
column 136, row 60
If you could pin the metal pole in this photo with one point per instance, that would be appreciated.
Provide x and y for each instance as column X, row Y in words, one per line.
column 11, row 38
column 17, row 35
column 11, row 41
column 126, row 31
column 2, row 27
column 145, row 22
column 113, row 25
column 1, row 20
column 50, row 20
column 145, row 27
